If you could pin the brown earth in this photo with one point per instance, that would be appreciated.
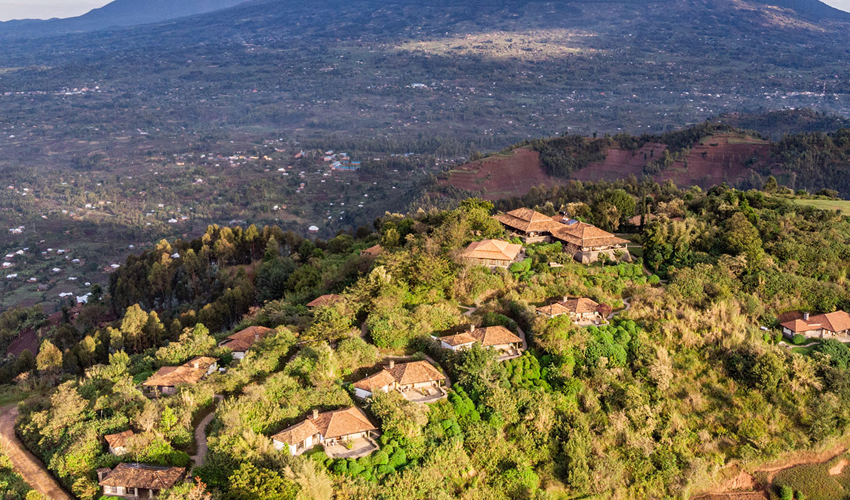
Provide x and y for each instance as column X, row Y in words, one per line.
column 737, row 485
column 24, row 463
column 729, row 158
column 720, row 158
column 839, row 467
column 619, row 164
column 800, row 458
column 27, row 339
column 502, row 176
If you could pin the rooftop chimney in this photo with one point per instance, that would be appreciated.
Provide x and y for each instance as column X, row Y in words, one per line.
column 806, row 316
column 471, row 328
column 315, row 414
column 392, row 364
column 256, row 336
column 564, row 300
column 196, row 364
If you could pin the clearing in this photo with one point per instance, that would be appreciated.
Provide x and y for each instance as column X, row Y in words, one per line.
column 513, row 174
column 843, row 205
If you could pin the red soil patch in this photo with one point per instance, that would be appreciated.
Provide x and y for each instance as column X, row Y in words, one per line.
column 729, row 158
column 502, row 176
column 721, row 158
column 737, row 485
column 618, row 163
column 838, row 468
column 27, row 339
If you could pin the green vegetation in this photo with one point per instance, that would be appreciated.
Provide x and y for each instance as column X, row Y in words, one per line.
column 12, row 485
column 827, row 481
column 629, row 407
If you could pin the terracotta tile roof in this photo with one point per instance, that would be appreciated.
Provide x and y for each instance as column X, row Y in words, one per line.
column 838, row 321
column 416, row 372
column 189, row 372
column 553, row 310
column 373, row 251
column 586, row 235
column 801, row 326
column 381, row 379
column 528, row 221
column 118, row 440
column 330, row 424
column 790, row 316
column 297, row 433
column 492, row 250
column 834, row 322
column 459, row 339
column 580, row 306
column 325, row 300
column 494, row 335
column 243, row 340
column 143, row 476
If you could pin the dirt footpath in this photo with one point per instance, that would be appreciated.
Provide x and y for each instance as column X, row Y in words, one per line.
column 29, row 467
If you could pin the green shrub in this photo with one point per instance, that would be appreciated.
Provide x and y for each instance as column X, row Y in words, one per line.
column 798, row 339
column 786, row 493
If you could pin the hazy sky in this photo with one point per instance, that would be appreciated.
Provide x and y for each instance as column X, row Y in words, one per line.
column 45, row 9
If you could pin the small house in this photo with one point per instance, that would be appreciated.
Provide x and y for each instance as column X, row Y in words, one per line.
column 492, row 253
column 825, row 326
column 415, row 379
column 491, row 337
column 117, row 443
column 579, row 310
column 329, row 429
column 528, row 224
column 586, row 242
column 372, row 251
column 136, row 480
column 167, row 378
column 325, row 300
column 241, row 341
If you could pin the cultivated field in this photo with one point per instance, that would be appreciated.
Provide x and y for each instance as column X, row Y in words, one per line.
column 842, row 205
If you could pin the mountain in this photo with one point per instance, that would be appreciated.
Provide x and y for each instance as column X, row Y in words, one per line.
column 812, row 9
column 119, row 13
column 444, row 77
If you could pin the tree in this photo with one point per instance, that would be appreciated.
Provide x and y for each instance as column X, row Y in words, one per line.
column 741, row 237
column 250, row 482
column 49, row 359
column 399, row 417
column 770, row 185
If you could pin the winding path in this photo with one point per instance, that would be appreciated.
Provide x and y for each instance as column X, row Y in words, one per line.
column 25, row 464
column 627, row 303
column 201, row 436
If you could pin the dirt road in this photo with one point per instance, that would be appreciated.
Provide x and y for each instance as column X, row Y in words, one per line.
column 29, row 467
column 201, row 435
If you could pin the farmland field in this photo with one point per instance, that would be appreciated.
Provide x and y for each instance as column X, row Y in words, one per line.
column 842, row 205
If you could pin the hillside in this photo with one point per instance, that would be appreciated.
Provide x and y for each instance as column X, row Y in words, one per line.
column 115, row 14
column 663, row 388
column 704, row 156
